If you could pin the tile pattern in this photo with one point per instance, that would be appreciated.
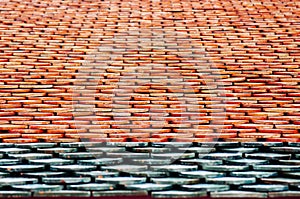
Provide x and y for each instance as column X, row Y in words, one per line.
column 251, row 52
column 257, row 174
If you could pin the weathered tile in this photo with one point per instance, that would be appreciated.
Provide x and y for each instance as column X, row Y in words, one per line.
column 107, row 149
column 30, row 156
column 51, row 161
column 178, row 194
column 238, row 194
column 175, row 181
column 218, row 144
column 13, row 150
column 127, row 144
column 268, row 156
column 8, row 194
column 289, row 162
column 36, row 145
column 125, row 168
column 100, row 174
column 201, row 162
column 276, row 167
column 255, row 174
column 172, row 144
column 173, row 156
column 221, row 156
column 17, row 181
column 151, row 150
column 62, row 193
column 65, row 180
column 38, row 187
column 44, row 174
column 9, row 161
column 223, row 168
column 239, row 150
column 264, row 187
column 22, row 168
column 248, row 162
column 291, row 174
column 149, row 187
column 130, row 155
column 80, row 155
column 284, row 194
column 81, row 144
column 289, row 150
column 92, row 187
column 72, row 168
column 175, row 168
column 101, row 161
column 206, row 187
column 121, row 180
column 118, row 193
column 201, row 174
column 280, row 180
column 200, row 150
column 232, row 180
column 150, row 174
column 262, row 144
column 152, row 161
column 57, row 150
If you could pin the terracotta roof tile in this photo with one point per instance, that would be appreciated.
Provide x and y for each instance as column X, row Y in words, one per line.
column 180, row 70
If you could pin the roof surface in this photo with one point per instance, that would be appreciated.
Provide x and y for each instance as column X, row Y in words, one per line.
column 149, row 70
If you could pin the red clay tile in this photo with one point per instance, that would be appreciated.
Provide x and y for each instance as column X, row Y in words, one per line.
column 244, row 85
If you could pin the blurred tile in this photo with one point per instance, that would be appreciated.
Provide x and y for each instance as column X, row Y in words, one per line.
column 232, row 180
column 118, row 193
column 30, row 156
column 72, row 168
column 223, row 168
column 149, row 187
column 38, row 187
column 265, row 188
column 284, row 194
column 9, row 161
column 221, row 156
column 255, row 174
column 125, row 168
column 152, row 161
column 101, row 161
column 206, row 187
column 268, row 156
column 62, row 193
column 8, row 194
column 174, row 180
column 92, row 187
column 121, row 180
column 17, row 181
column 238, row 194
column 22, row 168
column 201, row 162
column 65, row 180
column 276, row 167
column 51, row 161
column 201, row 174
column 280, row 180
column 247, row 162
column 175, row 168
column 100, row 174
column 178, row 194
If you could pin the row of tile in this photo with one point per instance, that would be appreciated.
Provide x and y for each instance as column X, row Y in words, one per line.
column 171, row 169
column 214, row 66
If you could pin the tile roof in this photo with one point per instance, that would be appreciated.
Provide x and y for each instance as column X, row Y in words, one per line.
column 212, row 174
column 149, row 71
